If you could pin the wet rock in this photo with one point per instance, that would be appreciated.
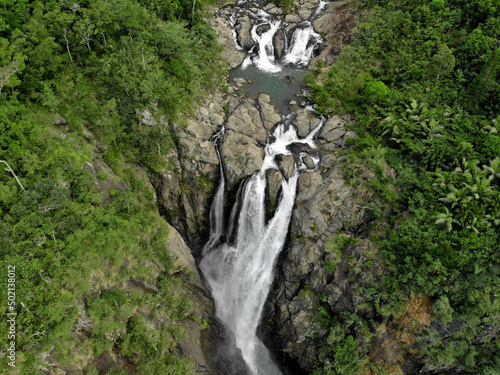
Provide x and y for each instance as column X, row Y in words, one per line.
column 261, row 29
column 333, row 131
column 279, row 42
column 216, row 119
column 224, row 353
column 183, row 258
column 240, row 82
column 309, row 162
column 269, row 7
column 241, row 160
column 246, row 120
column 335, row 24
column 302, row 123
column 305, row 12
column 292, row 18
column 269, row 114
column 243, row 29
column 287, row 166
column 274, row 179
column 196, row 343
column 325, row 207
column 275, row 11
column 323, row 23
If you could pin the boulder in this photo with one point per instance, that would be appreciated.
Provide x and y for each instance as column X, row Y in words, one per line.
column 287, row 166
column 243, row 29
column 302, row 123
column 246, row 120
column 292, row 18
column 241, row 159
column 279, row 42
column 274, row 179
column 147, row 118
column 269, row 114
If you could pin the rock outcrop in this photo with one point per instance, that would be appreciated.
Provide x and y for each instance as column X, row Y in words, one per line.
column 323, row 265
column 337, row 25
column 226, row 40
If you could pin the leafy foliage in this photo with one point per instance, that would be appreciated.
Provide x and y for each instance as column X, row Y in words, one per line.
column 99, row 64
column 437, row 126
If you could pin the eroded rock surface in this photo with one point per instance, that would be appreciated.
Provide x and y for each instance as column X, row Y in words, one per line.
column 322, row 267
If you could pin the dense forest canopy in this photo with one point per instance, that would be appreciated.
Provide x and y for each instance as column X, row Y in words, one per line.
column 74, row 80
column 423, row 78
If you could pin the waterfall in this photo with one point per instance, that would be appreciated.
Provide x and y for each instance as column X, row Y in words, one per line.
column 240, row 272
column 263, row 58
column 299, row 49
column 217, row 208
column 240, row 255
column 304, row 41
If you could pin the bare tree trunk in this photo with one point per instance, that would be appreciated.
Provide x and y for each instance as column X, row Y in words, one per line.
column 5, row 74
column 67, row 44
column 143, row 63
column 9, row 169
column 192, row 14
column 104, row 37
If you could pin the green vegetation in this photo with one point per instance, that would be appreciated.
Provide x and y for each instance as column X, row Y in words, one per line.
column 286, row 4
column 77, row 237
column 423, row 79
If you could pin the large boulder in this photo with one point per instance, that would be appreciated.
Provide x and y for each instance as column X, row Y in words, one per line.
column 242, row 157
column 268, row 112
column 279, row 42
column 246, row 120
column 243, row 29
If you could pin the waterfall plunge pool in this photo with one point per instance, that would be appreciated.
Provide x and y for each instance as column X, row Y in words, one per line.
column 282, row 87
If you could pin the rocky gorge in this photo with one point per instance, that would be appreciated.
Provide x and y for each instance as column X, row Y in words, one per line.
column 329, row 267
column 251, row 187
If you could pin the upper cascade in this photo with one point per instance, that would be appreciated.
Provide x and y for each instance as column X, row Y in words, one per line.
column 270, row 42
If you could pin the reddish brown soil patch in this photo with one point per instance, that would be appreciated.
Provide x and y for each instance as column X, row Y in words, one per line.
column 395, row 342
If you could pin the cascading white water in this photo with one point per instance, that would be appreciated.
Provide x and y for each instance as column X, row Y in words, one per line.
column 232, row 21
column 240, row 273
column 304, row 41
column 299, row 50
column 264, row 57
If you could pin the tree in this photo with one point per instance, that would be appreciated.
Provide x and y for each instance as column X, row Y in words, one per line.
column 437, row 5
column 443, row 61
column 442, row 309
column 11, row 63
column 375, row 91
column 9, row 169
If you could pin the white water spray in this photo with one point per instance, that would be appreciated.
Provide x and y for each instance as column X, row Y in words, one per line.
column 299, row 49
column 240, row 273
column 304, row 41
column 264, row 56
